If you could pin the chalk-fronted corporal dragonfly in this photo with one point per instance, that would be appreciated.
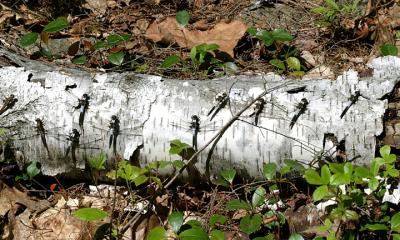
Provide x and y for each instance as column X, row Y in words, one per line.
column 220, row 101
column 195, row 127
column 114, row 131
column 75, row 142
column 353, row 100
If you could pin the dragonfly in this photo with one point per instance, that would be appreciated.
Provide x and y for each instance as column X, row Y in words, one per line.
column 195, row 127
column 257, row 110
column 75, row 142
column 115, row 130
column 221, row 99
column 83, row 106
column 353, row 99
column 8, row 103
column 302, row 107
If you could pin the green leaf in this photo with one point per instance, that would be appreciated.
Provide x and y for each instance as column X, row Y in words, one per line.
column 351, row 215
column 319, row 10
column 98, row 163
column 266, row 37
column 139, row 180
column 296, row 236
column 339, row 179
column 362, row 172
column 269, row 170
column 229, row 175
column 312, row 177
column 320, row 192
column 332, row 4
column 376, row 227
column 178, row 164
column 56, row 25
column 79, row 60
column 170, row 61
column 237, row 204
column 216, row 218
column 392, row 172
column 157, row 233
column 183, row 17
column 325, row 174
column 99, row 45
column 115, row 39
column 28, row 39
column 389, row 50
column 230, row 67
column 129, row 172
column 250, row 224
column 193, row 223
column 116, row 58
column 348, row 169
column 336, row 167
column 252, row 31
column 89, row 214
column 32, row 170
column 374, row 167
column 293, row 63
column 193, row 234
column 384, row 151
column 176, row 221
column 278, row 64
column 217, row 235
column 395, row 222
column 373, row 184
column 102, row 231
column 396, row 236
column 281, row 35
column 258, row 197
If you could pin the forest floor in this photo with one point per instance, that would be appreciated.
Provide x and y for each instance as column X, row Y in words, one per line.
column 144, row 37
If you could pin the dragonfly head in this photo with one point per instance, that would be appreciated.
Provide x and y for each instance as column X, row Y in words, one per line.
column 85, row 96
column 195, row 118
column 113, row 118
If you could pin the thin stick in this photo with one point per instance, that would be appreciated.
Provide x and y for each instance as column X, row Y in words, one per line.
column 223, row 130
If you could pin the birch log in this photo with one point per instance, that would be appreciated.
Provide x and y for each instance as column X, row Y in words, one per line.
column 154, row 110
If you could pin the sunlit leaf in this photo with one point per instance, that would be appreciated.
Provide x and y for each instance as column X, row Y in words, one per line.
column 217, row 235
column 157, row 233
column 175, row 220
column 56, row 25
column 250, row 223
column 170, row 61
column 266, row 37
column 281, row 35
column 325, row 174
column 89, row 214
column 216, row 218
column 395, row 222
column 196, row 233
column 313, row 177
column 237, row 204
column 389, row 50
column 28, row 39
column 229, row 175
column 258, row 197
column 278, row 63
column 79, row 60
column 116, row 58
column 269, row 170
column 376, row 227
column 32, row 170
column 293, row 63
column 320, row 192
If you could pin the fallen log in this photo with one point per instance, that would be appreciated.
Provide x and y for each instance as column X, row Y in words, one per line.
column 153, row 110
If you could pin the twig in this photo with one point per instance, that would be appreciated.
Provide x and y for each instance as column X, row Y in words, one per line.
column 222, row 131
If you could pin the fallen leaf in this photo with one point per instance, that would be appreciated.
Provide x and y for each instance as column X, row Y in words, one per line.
column 226, row 35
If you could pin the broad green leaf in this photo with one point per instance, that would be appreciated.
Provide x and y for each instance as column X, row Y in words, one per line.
column 237, row 204
column 193, row 223
column 278, row 63
column 395, row 222
column 89, row 214
column 182, row 17
column 293, row 63
column 207, row 47
column 79, row 60
column 28, row 39
column 32, row 170
column 336, row 167
column 230, row 67
column 269, row 170
column 281, row 35
column 258, row 197
column 193, row 53
column 384, row 151
column 320, row 192
column 170, row 61
column 217, row 235
column 266, row 37
column 216, row 218
column 293, row 164
column 99, row 45
column 98, row 163
column 325, row 174
column 229, row 175
column 339, row 179
column 175, row 220
column 196, row 233
column 327, row 225
column 312, row 177
column 139, row 180
column 348, row 169
column 252, row 31
column 56, row 25
column 178, row 164
column 391, row 158
column 296, row 236
column 116, row 58
column 376, row 227
column 396, row 236
column 129, row 172
column 351, row 215
column 389, row 50
column 115, row 39
column 392, row 172
column 373, row 184
column 157, row 233
column 362, row 172
column 250, row 224
column 374, row 167
column 332, row 4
